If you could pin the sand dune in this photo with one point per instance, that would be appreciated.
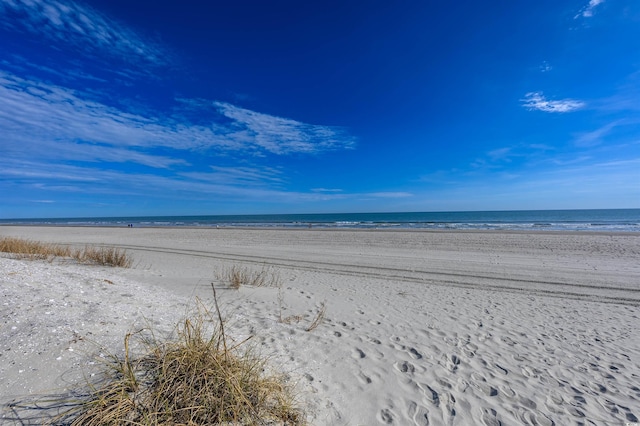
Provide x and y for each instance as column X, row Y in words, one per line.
column 437, row 328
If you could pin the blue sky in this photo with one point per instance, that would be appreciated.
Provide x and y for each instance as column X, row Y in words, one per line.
column 114, row 107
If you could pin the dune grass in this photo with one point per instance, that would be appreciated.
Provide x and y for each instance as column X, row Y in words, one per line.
column 35, row 250
column 195, row 379
column 319, row 318
column 107, row 256
column 237, row 276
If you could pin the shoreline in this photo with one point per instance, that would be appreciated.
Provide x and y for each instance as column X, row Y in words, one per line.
column 336, row 229
column 438, row 327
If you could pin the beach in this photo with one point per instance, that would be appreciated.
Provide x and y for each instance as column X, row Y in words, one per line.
column 419, row 327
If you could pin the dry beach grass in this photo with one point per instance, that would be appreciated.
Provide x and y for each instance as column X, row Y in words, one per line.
column 195, row 379
column 36, row 250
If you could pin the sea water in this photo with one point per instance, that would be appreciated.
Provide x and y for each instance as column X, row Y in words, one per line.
column 609, row 220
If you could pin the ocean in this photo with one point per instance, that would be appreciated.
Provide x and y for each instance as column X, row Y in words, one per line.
column 609, row 220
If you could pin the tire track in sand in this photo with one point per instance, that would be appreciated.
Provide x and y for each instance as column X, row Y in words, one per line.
column 577, row 291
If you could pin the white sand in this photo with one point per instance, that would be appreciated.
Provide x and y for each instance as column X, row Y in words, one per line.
column 421, row 328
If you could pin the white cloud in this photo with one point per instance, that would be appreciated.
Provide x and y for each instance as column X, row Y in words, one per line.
column 58, row 122
column 389, row 194
column 79, row 26
column 282, row 135
column 326, row 190
column 537, row 101
column 500, row 154
column 240, row 175
column 588, row 10
column 595, row 137
column 545, row 67
column 188, row 187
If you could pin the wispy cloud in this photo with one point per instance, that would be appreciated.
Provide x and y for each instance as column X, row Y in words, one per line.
column 595, row 137
column 545, row 67
column 244, row 185
column 327, row 190
column 399, row 194
column 239, row 175
column 282, row 135
column 501, row 159
column 80, row 27
column 588, row 10
column 37, row 117
column 537, row 101
column 500, row 154
column 66, row 178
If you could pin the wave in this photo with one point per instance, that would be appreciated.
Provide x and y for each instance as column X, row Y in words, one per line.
column 544, row 220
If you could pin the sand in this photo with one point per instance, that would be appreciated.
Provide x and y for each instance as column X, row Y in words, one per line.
column 421, row 327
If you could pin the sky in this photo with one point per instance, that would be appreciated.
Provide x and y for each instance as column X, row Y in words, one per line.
column 121, row 108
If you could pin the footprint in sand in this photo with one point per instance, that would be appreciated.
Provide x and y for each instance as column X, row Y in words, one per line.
column 450, row 407
column 554, row 403
column 527, row 403
column 414, row 353
column 534, row 418
column 490, row 417
column 507, row 391
column 358, row 354
column 405, row 367
column 418, row 414
column 508, row 340
column 631, row 417
column 347, row 326
column 575, row 412
column 430, row 394
column 501, row 369
column 364, row 379
column 386, row 416
column 530, row 372
column 444, row 383
column 451, row 362
column 480, row 383
column 470, row 350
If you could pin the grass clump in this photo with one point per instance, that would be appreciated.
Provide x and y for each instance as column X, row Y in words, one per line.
column 35, row 250
column 238, row 276
column 107, row 256
column 197, row 379
column 319, row 318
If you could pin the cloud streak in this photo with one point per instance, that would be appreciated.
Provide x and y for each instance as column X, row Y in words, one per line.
column 62, row 123
column 596, row 137
column 282, row 135
column 240, row 175
column 538, row 102
column 241, row 185
column 80, row 27
column 588, row 10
